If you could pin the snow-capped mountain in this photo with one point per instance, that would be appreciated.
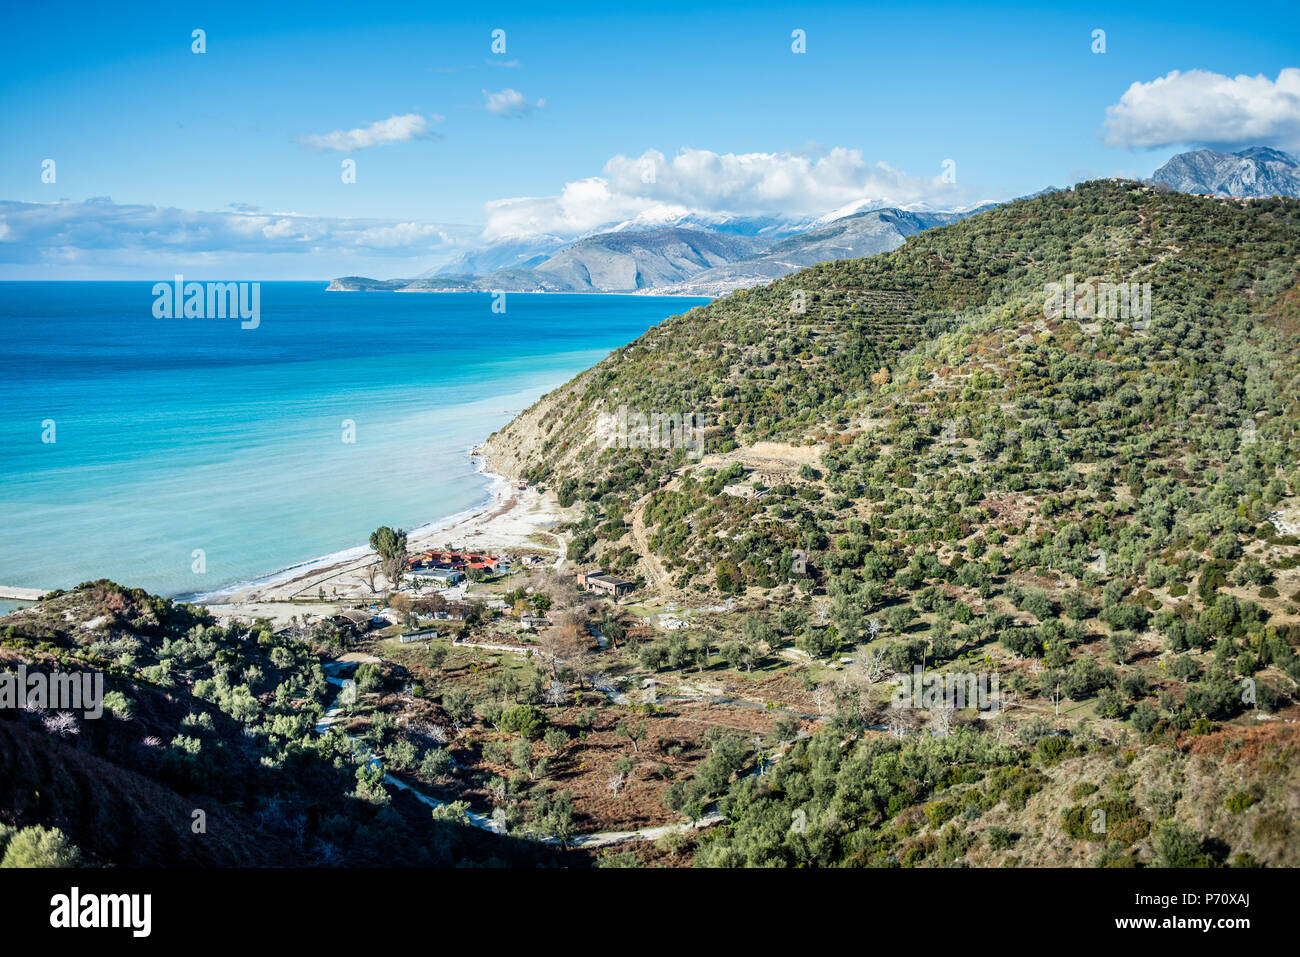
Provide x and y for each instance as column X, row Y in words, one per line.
column 1255, row 172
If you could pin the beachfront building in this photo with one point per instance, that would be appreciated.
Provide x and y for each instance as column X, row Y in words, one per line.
column 448, row 576
column 458, row 561
column 433, row 559
column 597, row 581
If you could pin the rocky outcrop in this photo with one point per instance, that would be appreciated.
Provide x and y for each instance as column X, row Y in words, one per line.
column 1255, row 172
column 364, row 284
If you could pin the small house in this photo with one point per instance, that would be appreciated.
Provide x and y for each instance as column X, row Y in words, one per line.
column 455, row 611
column 353, row 623
column 597, row 581
column 449, row 576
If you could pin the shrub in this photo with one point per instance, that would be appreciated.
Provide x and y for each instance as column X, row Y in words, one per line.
column 1082, row 790
column 1238, row 801
column 936, row 812
column 1000, row 838
column 369, row 677
column 1052, row 749
column 523, row 719
column 435, row 764
column 40, row 847
column 1177, row 845
column 120, row 705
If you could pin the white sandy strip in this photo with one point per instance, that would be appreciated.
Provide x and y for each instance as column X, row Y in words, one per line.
column 512, row 520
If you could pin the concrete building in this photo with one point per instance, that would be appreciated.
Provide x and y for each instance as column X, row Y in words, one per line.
column 597, row 581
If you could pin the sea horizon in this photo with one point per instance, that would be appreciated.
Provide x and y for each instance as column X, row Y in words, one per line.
column 207, row 278
column 192, row 456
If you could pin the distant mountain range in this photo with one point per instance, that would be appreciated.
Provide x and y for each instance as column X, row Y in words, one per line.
column 670, row 260
column 861, row 234
column 1255, row 172
column 698, row 255
column 612, row 262
column 514, row 253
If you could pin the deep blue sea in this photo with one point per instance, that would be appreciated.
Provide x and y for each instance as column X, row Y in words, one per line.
column 171, row 435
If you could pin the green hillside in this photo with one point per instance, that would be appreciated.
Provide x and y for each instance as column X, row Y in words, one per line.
column 198, row 717
column 990, row 413
column 911, row 462
column 1093, row 509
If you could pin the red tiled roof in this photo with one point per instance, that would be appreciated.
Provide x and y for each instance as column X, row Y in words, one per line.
column 455, row 558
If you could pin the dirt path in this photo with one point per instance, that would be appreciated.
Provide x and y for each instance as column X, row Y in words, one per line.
column 605, row 838
column 655, row 576
column 762, row 455
column 513, row 649
column 1285, row 526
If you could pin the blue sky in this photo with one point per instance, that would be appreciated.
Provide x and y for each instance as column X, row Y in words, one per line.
column 138, row 122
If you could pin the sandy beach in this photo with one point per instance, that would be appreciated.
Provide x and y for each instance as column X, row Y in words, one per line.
column 514, row 521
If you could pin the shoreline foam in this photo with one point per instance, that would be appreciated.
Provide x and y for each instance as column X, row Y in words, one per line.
column 353, row 552
column 508, row 519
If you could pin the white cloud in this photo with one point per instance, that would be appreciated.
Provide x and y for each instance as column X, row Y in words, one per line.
column 509, row 102
column 401, row 235
column 798, row 185
column 395, row 129
column 100, row 239
column 142, row 241
column 1200, row 107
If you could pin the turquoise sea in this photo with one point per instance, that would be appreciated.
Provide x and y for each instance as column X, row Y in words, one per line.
column 176, row 435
